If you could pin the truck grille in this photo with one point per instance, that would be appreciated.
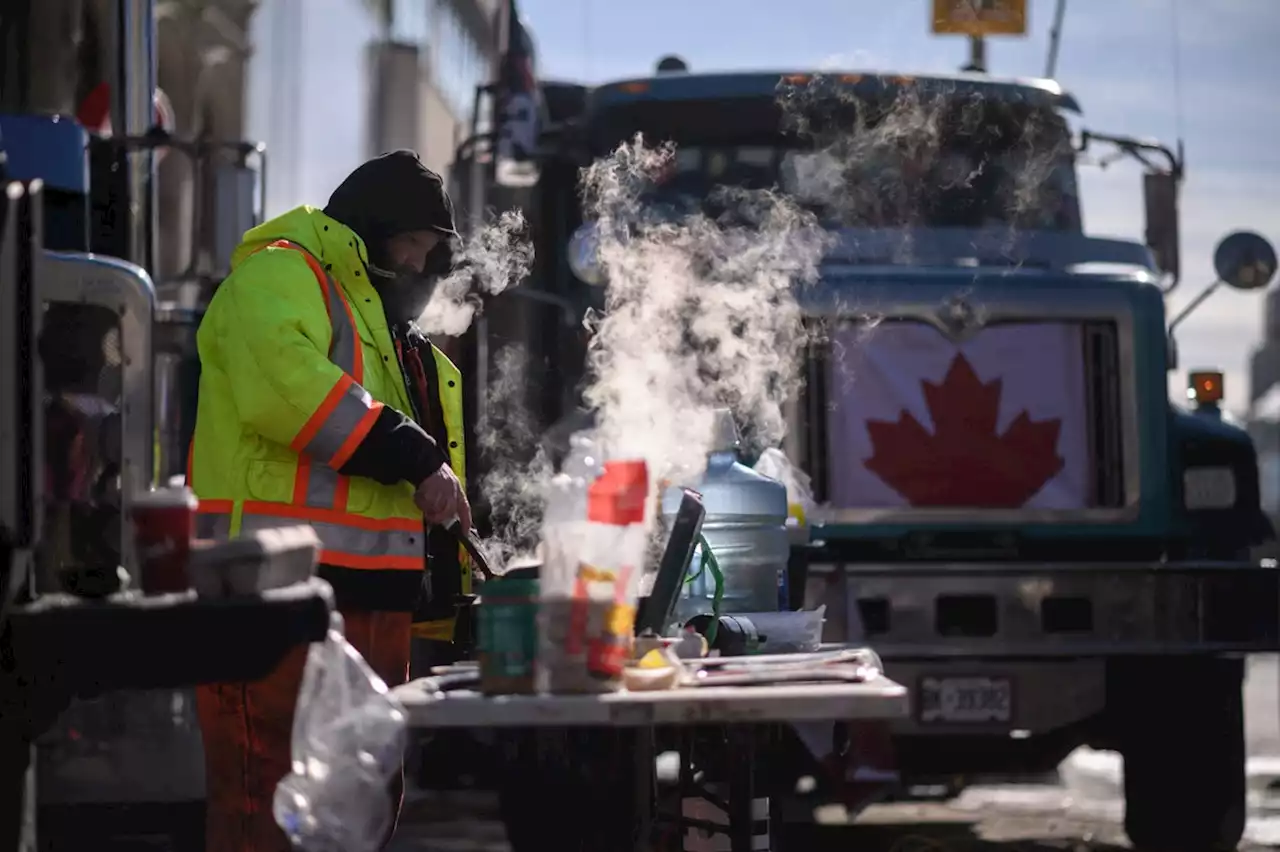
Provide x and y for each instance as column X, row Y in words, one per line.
column 1102, row 421
column 1102, row 387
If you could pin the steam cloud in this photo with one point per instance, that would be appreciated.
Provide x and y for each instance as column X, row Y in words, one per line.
column 493, row 259
column 517, row 468
column 701, row 312
column 930, row 158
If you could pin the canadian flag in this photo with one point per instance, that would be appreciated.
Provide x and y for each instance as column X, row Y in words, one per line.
column 997, row 421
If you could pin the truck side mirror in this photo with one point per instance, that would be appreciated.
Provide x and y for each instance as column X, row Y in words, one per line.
column 584, row 255
column 1244, row 260
column 1160, row 198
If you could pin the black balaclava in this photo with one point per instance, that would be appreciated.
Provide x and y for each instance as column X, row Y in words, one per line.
column 393, row 194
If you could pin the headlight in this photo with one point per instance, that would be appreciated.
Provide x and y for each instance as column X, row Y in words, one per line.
column 1208, row 488
column 584, row 255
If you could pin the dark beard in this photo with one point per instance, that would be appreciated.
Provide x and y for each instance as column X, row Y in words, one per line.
column 404, row 292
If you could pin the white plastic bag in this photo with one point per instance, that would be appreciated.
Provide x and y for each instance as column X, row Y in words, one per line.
column 349, row 737
column 774, row 464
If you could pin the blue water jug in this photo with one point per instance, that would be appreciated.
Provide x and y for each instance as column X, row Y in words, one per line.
column 745, row 527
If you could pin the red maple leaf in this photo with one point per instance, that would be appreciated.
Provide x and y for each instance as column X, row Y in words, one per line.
column 964, row 462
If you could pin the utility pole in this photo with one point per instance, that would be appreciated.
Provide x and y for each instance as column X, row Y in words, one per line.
column 1055, row 39
column 133, row 112
column 977, row 55
column 482, row 175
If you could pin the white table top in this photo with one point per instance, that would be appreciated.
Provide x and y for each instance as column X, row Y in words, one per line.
column 880, row 698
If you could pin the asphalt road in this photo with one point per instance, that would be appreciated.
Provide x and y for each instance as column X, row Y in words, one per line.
column 1082, row 812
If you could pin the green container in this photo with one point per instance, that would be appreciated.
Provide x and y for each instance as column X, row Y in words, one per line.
column 507, row 635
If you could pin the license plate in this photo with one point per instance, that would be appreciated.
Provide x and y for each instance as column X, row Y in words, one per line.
column 966, row 700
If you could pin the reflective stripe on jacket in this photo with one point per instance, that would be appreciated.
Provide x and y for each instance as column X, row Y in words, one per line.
column 296, row 364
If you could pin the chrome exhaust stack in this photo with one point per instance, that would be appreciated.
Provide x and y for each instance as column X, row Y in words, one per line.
column 133, row 117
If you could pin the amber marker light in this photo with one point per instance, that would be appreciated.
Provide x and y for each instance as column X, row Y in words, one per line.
column 1205, row 387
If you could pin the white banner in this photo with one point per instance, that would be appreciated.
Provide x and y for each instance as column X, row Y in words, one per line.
column 996, row 422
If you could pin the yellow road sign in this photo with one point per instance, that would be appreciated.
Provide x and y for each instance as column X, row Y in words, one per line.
column 980, row 17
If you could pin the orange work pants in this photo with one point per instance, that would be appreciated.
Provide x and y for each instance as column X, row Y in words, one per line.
column 247, row 729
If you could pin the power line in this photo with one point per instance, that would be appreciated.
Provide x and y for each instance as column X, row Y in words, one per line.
column 586, row 40
column 1055, row 39
column 1176, row 33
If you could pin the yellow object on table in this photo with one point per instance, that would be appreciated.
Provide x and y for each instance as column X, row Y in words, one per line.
column 659, row 668
column 655, row 659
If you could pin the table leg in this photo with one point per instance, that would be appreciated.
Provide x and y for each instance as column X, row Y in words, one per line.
column 612, row 810
column 643, row 779
column 740, row 767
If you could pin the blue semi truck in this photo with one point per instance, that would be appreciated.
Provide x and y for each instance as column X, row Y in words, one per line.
column 1041, row 544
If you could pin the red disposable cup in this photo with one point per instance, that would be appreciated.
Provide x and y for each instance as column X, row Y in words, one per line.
column 164, row 524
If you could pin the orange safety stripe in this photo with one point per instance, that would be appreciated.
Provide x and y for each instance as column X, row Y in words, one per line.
column 301, row 482
column 376, row 562
column 350, row 541
column 345, row 390
column 338, row 425
column 316, row 421
column 341, row 491
column 357, row 354
column 306, row 513
column 332, row 516
column 355, row 436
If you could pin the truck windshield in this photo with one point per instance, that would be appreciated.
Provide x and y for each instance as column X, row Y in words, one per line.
column 956, row 164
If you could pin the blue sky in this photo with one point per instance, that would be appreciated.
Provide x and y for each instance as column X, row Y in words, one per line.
column 1119, row 57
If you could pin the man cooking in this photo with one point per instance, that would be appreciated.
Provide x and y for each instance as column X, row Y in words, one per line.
column 321, row 402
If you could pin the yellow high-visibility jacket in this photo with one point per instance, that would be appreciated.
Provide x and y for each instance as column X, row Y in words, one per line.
column 296, row 363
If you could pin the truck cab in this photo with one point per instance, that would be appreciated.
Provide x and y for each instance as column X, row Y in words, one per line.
column 1012, row 511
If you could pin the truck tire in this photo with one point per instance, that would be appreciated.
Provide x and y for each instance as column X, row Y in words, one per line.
column 1181, row 727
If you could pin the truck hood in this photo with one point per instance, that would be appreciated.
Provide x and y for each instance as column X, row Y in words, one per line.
column 998, row 247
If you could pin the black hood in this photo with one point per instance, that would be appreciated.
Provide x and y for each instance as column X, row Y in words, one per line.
column 389, row 195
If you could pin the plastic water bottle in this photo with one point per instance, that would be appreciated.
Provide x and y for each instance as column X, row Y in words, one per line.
column 567, row 543
column 746, row 527
column 581, row 465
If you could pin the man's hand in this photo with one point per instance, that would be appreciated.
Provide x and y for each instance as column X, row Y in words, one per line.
column 441, row 497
